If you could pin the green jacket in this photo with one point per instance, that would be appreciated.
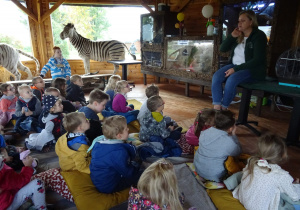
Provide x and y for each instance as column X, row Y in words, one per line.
column 255, row 53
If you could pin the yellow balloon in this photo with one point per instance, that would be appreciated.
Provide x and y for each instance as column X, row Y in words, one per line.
column 177, row 25
column 180, row 16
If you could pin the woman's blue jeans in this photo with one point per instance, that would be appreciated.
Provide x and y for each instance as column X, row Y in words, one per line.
column 224, row 99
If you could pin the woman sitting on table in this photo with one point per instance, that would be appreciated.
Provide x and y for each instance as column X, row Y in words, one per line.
column 248, row 60
column 58, row 65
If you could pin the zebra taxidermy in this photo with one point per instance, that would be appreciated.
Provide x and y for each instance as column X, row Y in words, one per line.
column 94, row 50
column 9, row 59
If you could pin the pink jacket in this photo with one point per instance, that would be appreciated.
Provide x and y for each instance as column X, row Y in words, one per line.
column 11, row 182
column 190, row 136
column 119, row 104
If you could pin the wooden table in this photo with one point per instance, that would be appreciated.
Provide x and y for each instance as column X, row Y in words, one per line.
column 124, row 64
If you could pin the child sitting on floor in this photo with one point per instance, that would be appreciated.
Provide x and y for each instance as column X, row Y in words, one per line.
column 204, row 120
column 11, row 154
column 154, row 123
column 112, row 166
column 215, row 145
column 74, row 91
column 151, row 90
column 60, row 84
column 28, row 109
column 156, row 189
column 119, row 104
column 71, row 148
column 7, row 104
column 16, row 188
column 110, row 90
column 263, row 181
column 52, row 118
column 37, row 87
column 68, row 106
column 97, row 101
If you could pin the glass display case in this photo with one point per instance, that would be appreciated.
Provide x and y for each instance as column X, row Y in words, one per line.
column 190, row 55
column 153, row 58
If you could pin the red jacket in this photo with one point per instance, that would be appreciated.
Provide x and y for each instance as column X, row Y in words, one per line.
column 11, row 182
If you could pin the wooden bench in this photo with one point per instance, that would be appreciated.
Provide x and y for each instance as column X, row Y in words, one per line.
column 102, row 77
column 274, row 88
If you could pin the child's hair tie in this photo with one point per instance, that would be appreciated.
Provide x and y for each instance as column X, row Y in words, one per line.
column 263, row 163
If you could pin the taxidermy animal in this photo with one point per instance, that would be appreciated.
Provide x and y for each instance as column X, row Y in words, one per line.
column 9, row 59
column 95, row 50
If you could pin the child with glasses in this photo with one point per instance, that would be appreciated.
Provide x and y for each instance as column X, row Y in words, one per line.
column 7, row 104
column 38, row 87
column 153, row 123
column 119, row 104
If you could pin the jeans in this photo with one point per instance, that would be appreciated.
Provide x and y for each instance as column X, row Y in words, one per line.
column 224, row 98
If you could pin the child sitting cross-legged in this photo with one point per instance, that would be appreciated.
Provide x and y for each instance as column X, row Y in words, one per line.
column 97, row 101
column 16, row 188
column 154, row 123
column 37, row 87
column 119, row 104
column 74, row 91
column 71, row 148
column 112, row 166
column 215, row 145
column 110, row 90
column 7, row 104
column 28, row 109
column 264, row 184
column 52, row 118
column 157, row 188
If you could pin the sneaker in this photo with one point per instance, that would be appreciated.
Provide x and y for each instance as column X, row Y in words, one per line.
column 213, row 185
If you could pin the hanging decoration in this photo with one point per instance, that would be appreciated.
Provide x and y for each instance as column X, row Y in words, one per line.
column 180, row 25
column 207, row 12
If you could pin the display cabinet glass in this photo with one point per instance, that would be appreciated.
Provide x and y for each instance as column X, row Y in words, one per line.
column 152, row 58
column 190, row 55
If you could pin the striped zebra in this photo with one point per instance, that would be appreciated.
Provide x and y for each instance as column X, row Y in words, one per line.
column 98, row 51
column 9, row 59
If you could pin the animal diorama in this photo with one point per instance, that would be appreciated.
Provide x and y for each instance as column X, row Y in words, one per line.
column 191, row 58
column 94, row 50
column 9, row 59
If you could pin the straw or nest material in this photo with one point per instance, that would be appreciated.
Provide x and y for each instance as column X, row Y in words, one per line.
column 7, row 76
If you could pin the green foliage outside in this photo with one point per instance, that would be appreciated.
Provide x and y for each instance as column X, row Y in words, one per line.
column 89, row 21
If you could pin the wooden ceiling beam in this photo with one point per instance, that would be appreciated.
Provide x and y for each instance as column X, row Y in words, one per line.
column 52, row 9
column 24, row 9
column 106, row 2
column 146, row 6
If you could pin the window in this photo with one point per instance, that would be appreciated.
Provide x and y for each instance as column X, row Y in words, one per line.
column 15, row 28
column 98, row 24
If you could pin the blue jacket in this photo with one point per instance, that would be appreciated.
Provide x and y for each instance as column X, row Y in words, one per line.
column 111, row 161
column 108, row 105
column 56, row 70
column 75, row 93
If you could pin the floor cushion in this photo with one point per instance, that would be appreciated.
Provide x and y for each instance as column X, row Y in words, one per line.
column 223, row 199
column 86, row 195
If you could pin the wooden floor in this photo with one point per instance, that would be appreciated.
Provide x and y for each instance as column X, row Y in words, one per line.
column 184, row 109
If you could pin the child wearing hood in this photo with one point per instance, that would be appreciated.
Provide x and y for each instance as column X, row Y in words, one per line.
column 7, row 103
column 52, row 117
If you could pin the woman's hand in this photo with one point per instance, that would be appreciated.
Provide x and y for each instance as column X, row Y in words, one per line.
column 236, row 32
column 229, row 72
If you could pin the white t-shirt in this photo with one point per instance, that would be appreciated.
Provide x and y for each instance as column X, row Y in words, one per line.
column 263, row 191
column 239, row 53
